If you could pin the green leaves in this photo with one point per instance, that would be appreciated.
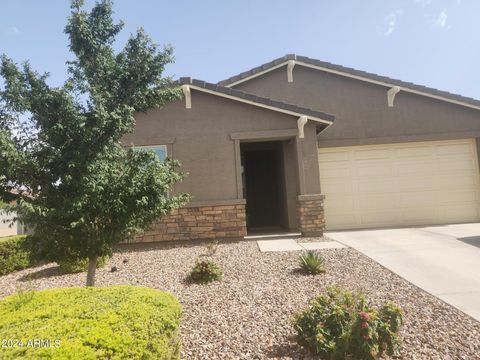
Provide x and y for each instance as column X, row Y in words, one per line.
column 205, row 271
column 340, row 324
column 60, row 151
column 130, row 78
column 311, row 263
column 119, row 322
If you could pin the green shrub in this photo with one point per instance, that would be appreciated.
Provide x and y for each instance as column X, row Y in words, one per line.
column 311, row 263
column 205, row 271
column 341, row 324
column 14, row 254
column 120, row 322
column 72, row 266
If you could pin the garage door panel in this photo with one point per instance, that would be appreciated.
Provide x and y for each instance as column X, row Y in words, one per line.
column 460, row 196
column 419, row 215
column 336, row 156
column 376, row 202
column 414, row 152
column 378, row 218
column 464, row 212
column 454, row 149
column 417, row 198
column 375, row 154
column 459, row 164
column 341, row 203
column 341, row 220
column 374, row 186
column 371, row 171
column 337, row 188
column 400, row 184
column 416, row 183
column 459, row 182
column 406, row 167
column 337, row 173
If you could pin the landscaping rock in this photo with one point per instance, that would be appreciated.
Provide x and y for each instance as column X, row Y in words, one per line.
column 248, row 314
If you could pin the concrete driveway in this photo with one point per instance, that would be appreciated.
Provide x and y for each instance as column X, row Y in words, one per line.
column 442, row 260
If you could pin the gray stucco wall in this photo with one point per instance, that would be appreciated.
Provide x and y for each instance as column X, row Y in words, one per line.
column 361, row 112
column 203, row 145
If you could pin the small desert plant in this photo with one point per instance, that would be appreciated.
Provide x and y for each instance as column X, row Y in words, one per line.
column 311, row 263
column 212, row 247
column 205, row 271
column 341, row 325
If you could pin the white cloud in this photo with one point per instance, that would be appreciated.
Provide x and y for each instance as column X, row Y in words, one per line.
column 12, row 30
column 391, row 21
column 439, row 21
column 423, row 3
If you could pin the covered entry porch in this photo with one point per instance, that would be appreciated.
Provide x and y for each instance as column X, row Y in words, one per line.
column 277, row 177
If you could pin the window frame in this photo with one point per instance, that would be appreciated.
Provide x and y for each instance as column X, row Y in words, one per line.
column 153, row 147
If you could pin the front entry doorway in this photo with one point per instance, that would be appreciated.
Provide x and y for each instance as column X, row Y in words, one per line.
column 264, row 186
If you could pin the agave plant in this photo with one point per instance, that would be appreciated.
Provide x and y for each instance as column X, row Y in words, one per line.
column 312, row 263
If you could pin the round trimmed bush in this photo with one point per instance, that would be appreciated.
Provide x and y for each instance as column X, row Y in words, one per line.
column 14, row 255
column 119, row 322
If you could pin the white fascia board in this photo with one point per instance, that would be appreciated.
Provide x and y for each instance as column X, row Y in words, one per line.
column 235, row 98
column 357, row 77
column 257, row 74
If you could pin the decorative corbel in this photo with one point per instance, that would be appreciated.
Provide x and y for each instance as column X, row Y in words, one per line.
column 302, row 120
column 188, row 96
column 391, row 95
column 290, row 66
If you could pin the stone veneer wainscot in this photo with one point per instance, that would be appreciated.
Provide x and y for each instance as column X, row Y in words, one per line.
column 199, row 221
column 310, row 214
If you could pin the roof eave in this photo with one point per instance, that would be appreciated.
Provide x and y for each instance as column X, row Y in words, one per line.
column 355, row 74
column 254, row 100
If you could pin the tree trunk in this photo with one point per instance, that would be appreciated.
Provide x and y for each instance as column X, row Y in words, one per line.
column 92, row 268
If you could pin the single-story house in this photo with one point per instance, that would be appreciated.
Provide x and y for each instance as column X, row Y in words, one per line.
column 301, row 144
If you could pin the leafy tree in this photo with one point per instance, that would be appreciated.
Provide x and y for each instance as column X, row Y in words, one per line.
column 61, row 155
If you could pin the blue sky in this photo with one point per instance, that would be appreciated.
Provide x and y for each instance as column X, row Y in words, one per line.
column 429, row 42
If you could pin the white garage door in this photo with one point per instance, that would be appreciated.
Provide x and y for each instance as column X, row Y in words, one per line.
column 400, row 184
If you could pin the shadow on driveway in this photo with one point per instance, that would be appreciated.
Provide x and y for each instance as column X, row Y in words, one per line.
column 471, row 240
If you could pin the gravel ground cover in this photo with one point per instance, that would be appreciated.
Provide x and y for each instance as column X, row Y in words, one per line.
column 247, row 315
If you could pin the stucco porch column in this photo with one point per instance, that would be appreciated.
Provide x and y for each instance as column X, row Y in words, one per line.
column 310, row 210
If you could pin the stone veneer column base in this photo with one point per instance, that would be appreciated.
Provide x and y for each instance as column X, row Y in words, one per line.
column 197, row 222
column 310, row 214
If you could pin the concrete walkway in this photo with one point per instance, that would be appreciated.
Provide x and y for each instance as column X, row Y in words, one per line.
column 292, row 245
column 442, row 260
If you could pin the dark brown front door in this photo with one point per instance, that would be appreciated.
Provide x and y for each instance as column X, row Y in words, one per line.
column 262, row 188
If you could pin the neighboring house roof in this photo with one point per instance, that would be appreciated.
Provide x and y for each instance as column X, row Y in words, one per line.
column 262, row 102
column 352, row 73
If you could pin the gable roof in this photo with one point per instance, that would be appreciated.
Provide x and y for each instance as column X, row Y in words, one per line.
column 258, row 101
column 351, row 73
